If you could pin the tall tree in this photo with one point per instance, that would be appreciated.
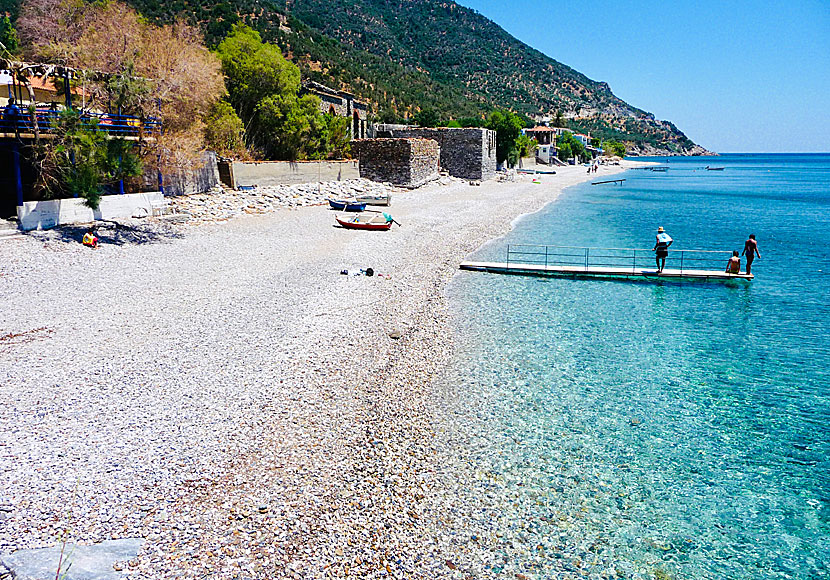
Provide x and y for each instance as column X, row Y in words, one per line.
column 8, row 36
column 508, row 126
column 123, row 60
column 254, row 70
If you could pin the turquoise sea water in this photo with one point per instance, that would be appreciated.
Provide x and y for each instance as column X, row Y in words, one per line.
column 682, row 428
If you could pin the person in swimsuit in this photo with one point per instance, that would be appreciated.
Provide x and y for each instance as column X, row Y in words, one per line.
column 662, row 248
column 733, row 266
column 751, row 250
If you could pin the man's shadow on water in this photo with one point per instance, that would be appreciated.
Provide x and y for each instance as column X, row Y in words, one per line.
column 110, row 232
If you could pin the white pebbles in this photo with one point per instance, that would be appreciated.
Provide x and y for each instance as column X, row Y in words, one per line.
column 223, row 392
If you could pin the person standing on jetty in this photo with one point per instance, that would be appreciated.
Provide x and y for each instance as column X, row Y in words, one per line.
column 662, row 248
column 751, row 250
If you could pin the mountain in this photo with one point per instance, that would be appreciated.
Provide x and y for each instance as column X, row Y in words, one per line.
column 407, row 55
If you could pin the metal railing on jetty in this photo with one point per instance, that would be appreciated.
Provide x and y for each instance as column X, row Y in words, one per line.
column 635, row 259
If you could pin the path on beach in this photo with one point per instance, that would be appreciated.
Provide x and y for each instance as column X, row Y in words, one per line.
column 226, row 394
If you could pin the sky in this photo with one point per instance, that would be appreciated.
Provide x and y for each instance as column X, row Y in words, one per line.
column 733, row 75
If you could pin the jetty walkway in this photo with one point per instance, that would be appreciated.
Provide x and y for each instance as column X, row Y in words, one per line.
column 632, row 263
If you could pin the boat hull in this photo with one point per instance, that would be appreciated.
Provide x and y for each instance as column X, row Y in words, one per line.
column 364, row 225
column 346, row 205
column 375, row 199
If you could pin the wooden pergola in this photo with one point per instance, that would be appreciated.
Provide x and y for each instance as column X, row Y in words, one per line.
column 37, row 123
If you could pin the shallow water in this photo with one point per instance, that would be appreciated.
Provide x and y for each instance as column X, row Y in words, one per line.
column 684, row 426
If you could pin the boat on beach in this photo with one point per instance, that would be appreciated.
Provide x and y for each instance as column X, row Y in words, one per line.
column 344, row 205
column 375, row 199
column 366, row 221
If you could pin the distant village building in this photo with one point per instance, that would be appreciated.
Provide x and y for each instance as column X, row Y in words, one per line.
column 546, row 138
column 341, row 104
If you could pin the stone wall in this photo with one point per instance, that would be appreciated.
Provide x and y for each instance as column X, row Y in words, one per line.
column 405, row 162
column 466, row 153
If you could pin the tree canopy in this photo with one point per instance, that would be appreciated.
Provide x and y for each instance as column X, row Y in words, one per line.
column 263, row 88
column 508, row 126
column 128, row 64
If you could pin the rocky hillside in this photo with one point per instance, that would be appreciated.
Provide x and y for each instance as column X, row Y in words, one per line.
column 407, row 55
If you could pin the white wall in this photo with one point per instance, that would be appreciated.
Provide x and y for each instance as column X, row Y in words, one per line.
column 34, row 215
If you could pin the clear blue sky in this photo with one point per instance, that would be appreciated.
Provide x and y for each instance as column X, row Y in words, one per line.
column 735, row 76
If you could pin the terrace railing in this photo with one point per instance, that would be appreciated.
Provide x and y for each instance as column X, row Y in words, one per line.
column 588, row 258
column 116, row 125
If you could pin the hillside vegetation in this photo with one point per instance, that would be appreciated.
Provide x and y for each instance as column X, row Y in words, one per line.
column 408, row 55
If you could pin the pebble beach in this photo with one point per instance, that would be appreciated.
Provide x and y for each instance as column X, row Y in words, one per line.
column 217, row 387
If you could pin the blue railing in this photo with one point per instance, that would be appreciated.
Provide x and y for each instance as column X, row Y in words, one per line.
column 48, row 120
column 627, row 258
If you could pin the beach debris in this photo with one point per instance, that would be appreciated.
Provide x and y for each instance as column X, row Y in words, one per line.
column 395, row 334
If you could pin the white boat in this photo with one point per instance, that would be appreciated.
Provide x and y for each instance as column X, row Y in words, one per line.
column 375, row 199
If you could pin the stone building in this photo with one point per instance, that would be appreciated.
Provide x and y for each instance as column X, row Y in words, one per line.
column 404, row 162
column 466, row 153
column 340, row 103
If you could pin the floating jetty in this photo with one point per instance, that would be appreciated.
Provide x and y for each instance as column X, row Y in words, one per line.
column 620, row 181
column 628, row 263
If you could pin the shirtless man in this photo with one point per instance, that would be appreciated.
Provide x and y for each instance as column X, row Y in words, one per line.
column 751, row 250
column 733, row 266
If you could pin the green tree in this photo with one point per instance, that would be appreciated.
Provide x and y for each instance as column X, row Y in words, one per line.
column 569, row 146
column 336, row 137
column 289, row 125
column 615, row 148
column 388, row 116
column 558, row 120
column 8, row 36
column 427, row 118
column 526, row 145
column 508, row 127
column 471, row 122
column 224, row 132
column 80, row 160
column 255, row 71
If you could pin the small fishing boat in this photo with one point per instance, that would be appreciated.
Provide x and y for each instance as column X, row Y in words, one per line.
column 374, row 221
column 342, row 205
column 375, row 199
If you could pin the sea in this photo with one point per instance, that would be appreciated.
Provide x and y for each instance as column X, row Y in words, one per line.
column 657, row 429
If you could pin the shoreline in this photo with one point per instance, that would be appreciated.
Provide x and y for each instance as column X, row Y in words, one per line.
column 314, row 456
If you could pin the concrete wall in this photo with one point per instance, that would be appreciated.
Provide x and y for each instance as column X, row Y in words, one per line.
column 34, row 215
column 404, row 162
column 198, row 180
column 466, row 153
column 288, row 172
